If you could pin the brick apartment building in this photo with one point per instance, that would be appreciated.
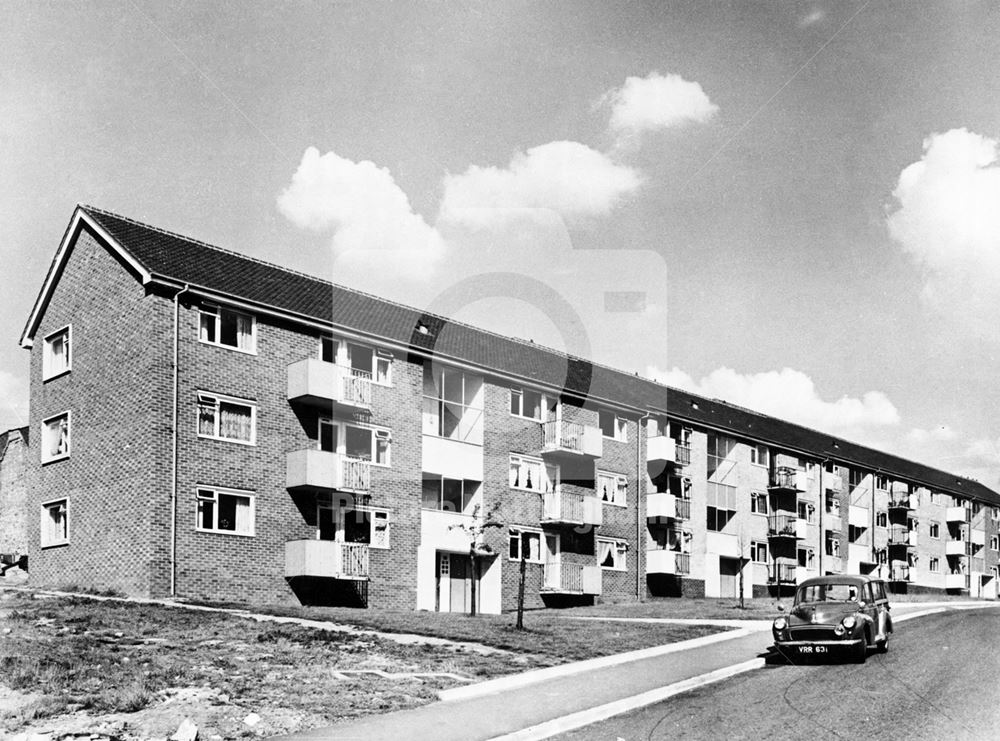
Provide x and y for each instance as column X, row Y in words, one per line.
column 210, row 426
column 14, row 508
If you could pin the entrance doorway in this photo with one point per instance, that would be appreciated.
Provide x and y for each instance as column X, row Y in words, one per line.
column 729, row 573
column 454, row 582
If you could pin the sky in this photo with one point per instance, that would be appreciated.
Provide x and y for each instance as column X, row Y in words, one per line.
column 794, row 206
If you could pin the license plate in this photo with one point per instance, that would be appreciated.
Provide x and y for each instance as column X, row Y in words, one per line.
column 812, row 649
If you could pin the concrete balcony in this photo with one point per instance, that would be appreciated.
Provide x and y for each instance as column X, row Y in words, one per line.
column 786, row 525
column 571, row 578
column 977, row 537
column 900, row 501
column 957, row 548
column 899, row 574
column 858, row 516
column 320, row 470
column 786, row 478
column 722, row 544
column 834, row 564
column 833, row 481
column 570, row 508
column 664, row 453
column 902, row 537
column 328, row 386
column 326, row 559
column 667, row 562
column 572, row 440
column 956, row 581
column 858, row 554
column 957, row 514
column 663, row 505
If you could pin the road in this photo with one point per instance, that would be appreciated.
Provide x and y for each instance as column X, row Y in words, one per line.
column 939, row 680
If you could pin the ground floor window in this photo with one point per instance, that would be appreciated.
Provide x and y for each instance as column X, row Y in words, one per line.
column 55, row 523
column 934, row 565
column 806, row 558
column 225, row 511
column 527, row 543
column 611, row 553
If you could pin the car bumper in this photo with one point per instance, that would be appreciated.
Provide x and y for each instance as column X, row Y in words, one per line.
column 819, row 648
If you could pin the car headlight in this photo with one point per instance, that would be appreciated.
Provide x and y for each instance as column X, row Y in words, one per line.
column 780, row 623
column 849, row 622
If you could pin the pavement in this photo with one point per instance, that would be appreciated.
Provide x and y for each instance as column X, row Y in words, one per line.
column 542, row 703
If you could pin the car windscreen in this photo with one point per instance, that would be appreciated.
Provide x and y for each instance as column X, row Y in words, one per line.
column 835, row 592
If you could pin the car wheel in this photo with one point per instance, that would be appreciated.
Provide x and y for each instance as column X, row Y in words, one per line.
column 883, row 646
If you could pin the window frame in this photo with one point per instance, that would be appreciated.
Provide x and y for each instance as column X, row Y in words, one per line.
column 46, row 521
column 518, row 534
column 934, row 565
column 618, row 549
column 619, row 426
column 934, row 530
column 994, row 543
column 755, row 455
column 810, row 511
column 217, row 492
column 207, row 308
column 756, row 498
column 48, row 373
column 469, row 500
column 44, row 437
column 219, row 400
column 619, row 492
column 544, row 470
column 756, row 548
column 520, row 392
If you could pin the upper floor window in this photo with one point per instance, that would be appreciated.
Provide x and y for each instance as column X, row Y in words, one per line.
column 855, row 477
column 934, row 530
column 56, row 358
column 760, row 455
column 758, row 551
column 831, row 542
column 529, row 403
column 994, row 543
column 354, row 441
column 612, row 487
column 721, row 505
column 758, row 502
column 832, row 503
column 881, row 519
column 532, row 474
column 807, row 512
column 453, row 404
column 451, row 495
column 227, row 418
column 225, row 511
column 56, row 437
column 55, row 523
column 370, row 363
column 612, row 426
column 720, row 448
column 225, row 327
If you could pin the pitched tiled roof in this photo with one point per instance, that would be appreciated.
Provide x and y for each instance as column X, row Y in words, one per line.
column 187, row 261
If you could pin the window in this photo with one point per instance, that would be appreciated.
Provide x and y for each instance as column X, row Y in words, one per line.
column 758, row 552
column 453, row 405
column 612, row 425
column 935, row 530
column 832, row 503
column 881, row 519
column 934, row 565
column 855, row 534
column 450, row 495
column 527, row 543
column 328, row 349
column 368, row 444
column 55, row 523
column 531, row 474
column 807, row 512
column 719, row 448
column 56, row 358
column 225, row 511
column 529, row 404
column 832, row 543
column 227, row 418
column 758, row 502
column 994, row 543
column 372, row 364
column 721, row 505
column 347, row 522
column 855, row 477
column 613, row 488
column 227, row 328
column 759, row 455
column 611, row 553
column 806, row 558
column 56, row 438
column 881, row 483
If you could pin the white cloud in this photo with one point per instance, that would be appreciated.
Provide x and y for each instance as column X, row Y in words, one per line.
column 369, row 214
column 790, row 395
column 948, row 222
column 657, row 102
column 941, row 433
column 567, row 178
column 811, row 19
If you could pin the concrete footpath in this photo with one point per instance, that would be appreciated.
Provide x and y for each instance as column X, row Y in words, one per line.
column 540, row 703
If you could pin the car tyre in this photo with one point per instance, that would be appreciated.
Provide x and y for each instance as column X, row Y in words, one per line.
column 882, row 646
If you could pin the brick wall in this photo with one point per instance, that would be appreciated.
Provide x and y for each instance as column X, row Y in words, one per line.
column 118, row 393
column 14, row 509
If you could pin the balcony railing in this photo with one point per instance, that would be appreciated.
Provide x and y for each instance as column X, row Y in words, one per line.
column 786, row 477
column 318, row 469
column 781, row 525
column 683, row 509
column 571, row 578
column 572, row 508
column 900, row 501
column 683, row 454
column 572, row 438
column 326, row 559
column 900, row 536
column 781, row 573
